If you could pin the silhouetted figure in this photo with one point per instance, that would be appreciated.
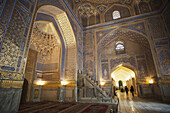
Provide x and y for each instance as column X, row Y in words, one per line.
column 132, row 90
column 114, row 90
column 126, row 89
column 24, row 92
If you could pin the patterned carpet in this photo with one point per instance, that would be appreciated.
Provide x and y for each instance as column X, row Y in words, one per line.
column 63, row 107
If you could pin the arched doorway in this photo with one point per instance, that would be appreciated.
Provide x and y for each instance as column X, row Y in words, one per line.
column 52, row 54
column 124, row 74
column 126, row 47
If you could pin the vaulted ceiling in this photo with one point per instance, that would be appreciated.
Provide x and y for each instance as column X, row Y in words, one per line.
column 91, row 12
column 122, row 73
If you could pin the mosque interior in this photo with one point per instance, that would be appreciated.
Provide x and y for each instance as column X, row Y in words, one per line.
column 83, row 50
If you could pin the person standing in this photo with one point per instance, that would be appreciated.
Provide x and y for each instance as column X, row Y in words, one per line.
column 114, row 91
column 126, row 89
column 132, row 90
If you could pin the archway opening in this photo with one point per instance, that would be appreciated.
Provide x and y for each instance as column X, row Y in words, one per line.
column 52, row 57
column 46, row 42
column 134, row 53
column 43, row 62
column 123, row 76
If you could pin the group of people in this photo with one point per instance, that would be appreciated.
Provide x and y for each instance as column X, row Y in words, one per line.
column 126, row 89
column 131, row 90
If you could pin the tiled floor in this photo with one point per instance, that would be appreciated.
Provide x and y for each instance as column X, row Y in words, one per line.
column 129, row 104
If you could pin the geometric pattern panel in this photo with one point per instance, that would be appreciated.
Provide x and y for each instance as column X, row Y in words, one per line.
column 105, row 71
column 142, row 68
column 12, row 42
column 12, row 50
column 5, row 18
column 9, row 55
column 103, row 33
column 164, row 60
column 2, row 3
column 157, row 30
column 11, row 76
column 126, row 60
column 138, row 27
column 88, row 66
column 70, row 42
column 15, row 30
column 129, row 35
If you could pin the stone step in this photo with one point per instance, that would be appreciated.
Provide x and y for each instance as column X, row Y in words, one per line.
column 95, row 84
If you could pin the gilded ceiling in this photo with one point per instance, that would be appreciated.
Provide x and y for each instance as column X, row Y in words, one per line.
column 43, row 39
column 91, row 12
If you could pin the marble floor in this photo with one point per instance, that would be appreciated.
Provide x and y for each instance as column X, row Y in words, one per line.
column 129, row 104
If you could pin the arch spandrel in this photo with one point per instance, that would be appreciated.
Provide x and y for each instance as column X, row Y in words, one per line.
column 122, row 32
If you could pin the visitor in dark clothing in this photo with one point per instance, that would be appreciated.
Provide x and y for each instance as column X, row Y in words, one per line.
column 132, row 90
column 126, row 89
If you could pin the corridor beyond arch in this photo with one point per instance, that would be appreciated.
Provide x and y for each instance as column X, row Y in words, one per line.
column 124, row 74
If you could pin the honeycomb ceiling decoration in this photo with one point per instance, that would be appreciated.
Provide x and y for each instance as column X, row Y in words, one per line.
column 87, row 10
column 43, row 42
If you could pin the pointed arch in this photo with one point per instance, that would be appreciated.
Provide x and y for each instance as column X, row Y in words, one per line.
column 125, row 11
column 120, row 32
column 69, row 59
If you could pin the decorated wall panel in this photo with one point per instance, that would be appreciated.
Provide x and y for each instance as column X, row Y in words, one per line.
column 157, row 30
column 88, row 44
column 11, row 50
column 70, row 41
column 129, row 60
column 80, row 49
column 14, row 38
column 150, row 64
column 142, row 67
column 164, row 58
column 160, row 39
column 105, row 71
column 144, row 7
column 5, row 18
column 2, row 4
